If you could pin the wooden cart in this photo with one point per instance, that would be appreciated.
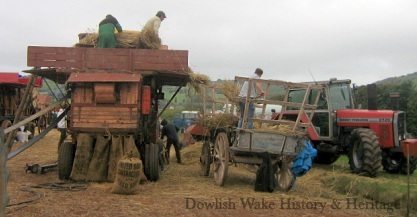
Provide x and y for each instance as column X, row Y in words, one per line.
column 227, row 145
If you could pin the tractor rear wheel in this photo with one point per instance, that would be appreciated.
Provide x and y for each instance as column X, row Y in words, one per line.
column 66, row 154
column 364, row 152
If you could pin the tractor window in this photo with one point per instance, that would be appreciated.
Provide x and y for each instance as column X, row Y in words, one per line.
column 297, row 96
column 340, row 96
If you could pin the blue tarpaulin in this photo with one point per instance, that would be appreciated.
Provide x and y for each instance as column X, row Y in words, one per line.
column 304, row 160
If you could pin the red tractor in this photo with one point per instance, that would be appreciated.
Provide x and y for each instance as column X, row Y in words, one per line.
column 370, row 138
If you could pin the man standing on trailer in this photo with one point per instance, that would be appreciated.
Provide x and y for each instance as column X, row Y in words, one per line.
column 149, row 36
column 256, row 91
column 106, row 37
column 171, row 132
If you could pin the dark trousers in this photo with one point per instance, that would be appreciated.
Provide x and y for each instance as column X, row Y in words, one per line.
column 177, row 147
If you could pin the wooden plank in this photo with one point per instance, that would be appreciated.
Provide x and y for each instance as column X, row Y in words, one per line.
column 129, row 93
column 104, row 77
column 101, row 126
column 118, row 59
column 83, row 94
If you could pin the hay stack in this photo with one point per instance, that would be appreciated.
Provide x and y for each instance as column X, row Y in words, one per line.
column 125, row 39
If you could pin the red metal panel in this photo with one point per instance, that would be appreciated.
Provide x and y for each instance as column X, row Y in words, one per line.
column 104, row 77
column 25, row 80
column 146, row 100
column 6, row 77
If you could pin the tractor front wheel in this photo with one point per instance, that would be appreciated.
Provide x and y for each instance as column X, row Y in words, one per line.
column 364, row 152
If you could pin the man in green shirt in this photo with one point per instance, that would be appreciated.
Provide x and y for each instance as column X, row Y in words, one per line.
column 106, row 37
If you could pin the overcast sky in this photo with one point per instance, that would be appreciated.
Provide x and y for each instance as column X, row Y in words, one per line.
column 361, row 40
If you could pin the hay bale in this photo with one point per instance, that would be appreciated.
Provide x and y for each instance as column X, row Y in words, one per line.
column 125, row 39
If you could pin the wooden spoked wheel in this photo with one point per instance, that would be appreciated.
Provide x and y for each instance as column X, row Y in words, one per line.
column 284, row 176
column 221, row 159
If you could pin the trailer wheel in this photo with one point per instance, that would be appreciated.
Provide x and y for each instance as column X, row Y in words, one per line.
column 413, row 165
column 152, row 162
column 397, row 163
column 6, row 124
column 283, row 175
column 364, row 152
column 221, row 158
column 205, row 159
column 66, row 154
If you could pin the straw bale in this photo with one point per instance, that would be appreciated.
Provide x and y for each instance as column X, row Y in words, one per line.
column 125, row 39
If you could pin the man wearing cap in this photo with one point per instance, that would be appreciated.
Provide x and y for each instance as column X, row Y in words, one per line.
column 106, row 37
column 149, row 37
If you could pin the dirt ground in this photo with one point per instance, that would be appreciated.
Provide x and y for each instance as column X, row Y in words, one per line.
column 181, row 191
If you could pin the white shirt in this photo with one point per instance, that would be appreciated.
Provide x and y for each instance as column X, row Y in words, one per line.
column 63, row 122
column 155, row 23
column 244, row 91
column 23, row 136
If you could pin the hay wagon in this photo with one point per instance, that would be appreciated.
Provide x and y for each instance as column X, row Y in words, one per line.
column 114, row 93
column 281, row 139
column 13, row 90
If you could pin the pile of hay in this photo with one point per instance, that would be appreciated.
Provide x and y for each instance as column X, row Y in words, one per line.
column 218, row 120
column 228, row 89
column 125, row 39
column 148, row 39
column 284, row 128
column 198, row 81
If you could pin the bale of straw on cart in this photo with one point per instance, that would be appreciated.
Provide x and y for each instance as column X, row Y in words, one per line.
column 125, row 39
column 217, row 120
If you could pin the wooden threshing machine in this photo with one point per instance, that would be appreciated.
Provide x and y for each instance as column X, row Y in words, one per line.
column 112, row 92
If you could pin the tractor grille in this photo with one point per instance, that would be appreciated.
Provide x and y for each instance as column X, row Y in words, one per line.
column 399, row 127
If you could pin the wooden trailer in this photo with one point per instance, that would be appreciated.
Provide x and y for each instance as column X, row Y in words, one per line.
column 12, row 88
column 114, row 93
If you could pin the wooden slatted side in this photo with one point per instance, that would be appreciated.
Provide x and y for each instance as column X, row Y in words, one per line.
column 55, row 57
column 84, row 93
column 129, row 93
column 108, row 59
column 104, row 117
